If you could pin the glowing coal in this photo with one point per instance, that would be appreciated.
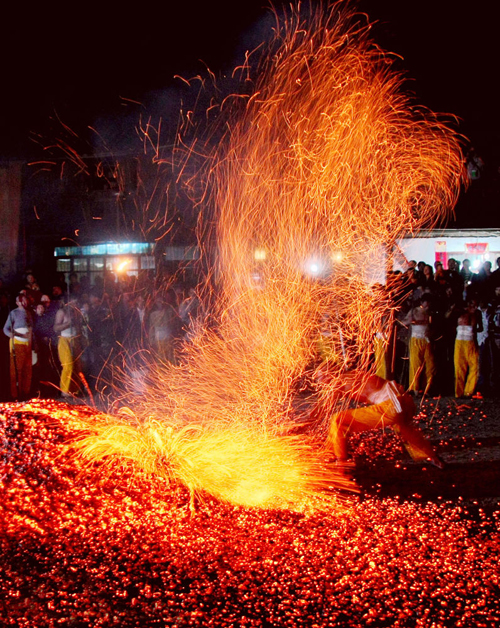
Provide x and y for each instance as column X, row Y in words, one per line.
column 82, row 548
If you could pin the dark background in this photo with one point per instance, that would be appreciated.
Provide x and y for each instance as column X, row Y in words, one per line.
column 83, row 61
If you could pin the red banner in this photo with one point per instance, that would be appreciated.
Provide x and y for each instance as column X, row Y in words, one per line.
column 476, row 248
column 441, row 254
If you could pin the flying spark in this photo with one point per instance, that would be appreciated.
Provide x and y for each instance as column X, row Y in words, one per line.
column 319, row 168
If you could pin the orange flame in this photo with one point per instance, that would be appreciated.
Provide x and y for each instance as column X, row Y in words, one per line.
column 320, row 167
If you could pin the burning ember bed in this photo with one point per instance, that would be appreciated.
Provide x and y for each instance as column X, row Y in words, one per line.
column 83, row 549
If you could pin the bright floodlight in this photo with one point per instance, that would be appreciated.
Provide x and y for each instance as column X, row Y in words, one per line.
column 314, row 268
column 122, row 266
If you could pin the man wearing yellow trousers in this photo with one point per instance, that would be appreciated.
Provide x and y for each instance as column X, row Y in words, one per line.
column 421, row 351
column 68, row 324
column 19, row 327
column 466, row 356
column 391, row 407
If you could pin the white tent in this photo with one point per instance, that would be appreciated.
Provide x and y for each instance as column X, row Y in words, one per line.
column 477, row 245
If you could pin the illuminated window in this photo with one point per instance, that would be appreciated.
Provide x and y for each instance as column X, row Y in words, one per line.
column 147, row 262
column 80, row 264
column 111, row 248
column 96, row 264
column 63, row 265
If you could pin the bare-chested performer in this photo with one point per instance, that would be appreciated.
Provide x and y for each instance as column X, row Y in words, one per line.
column 421, row 355
column 466, row 357
column 68, row 324
column 391, row 407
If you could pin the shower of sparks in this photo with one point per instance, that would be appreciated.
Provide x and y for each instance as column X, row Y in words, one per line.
column 236, row 463
column 320, row 167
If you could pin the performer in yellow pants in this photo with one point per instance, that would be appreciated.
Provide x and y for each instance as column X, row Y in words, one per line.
column 466, row 360
column 394, row 409
column 421, row 360
column 421, row 356
column 466, row 356
column 68, row 323
column 380, row 349
column 69, row 355
column 19, row 328
column 20, row 369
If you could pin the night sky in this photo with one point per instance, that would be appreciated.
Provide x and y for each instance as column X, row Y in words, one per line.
column 82, row 60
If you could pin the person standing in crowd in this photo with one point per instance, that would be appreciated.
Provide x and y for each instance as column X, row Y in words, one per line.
column 101, row 337
column 382, row 345
column 44, row 341
column 191, row 312
column 495, row 276
column 74, row 285
column 401, row 347
column 466, row 274
column 420, row 270
column 484, row 383
column 4, row 348
column 135, row 337
column 68, row 324
column 454, row 278
column 421, row 354
column 57, row 294
column 164, row 327
column 415, row 288
column 18, row 327
column 466, row 357
column 427, row 280
column 450, row 304
column 481, row 286
column 32, row 289
column 135, row 344
column 51, row 309
column 494, row 339
column 440, row 278
column 93, row 317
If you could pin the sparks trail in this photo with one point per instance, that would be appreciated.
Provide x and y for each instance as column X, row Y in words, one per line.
column 323, row 164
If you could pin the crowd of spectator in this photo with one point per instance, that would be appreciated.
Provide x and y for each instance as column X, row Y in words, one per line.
column 441, row 336
column 445, row 335
column 71, row 339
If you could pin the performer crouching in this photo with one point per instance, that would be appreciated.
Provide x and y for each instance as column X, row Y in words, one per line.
column 391, row 407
